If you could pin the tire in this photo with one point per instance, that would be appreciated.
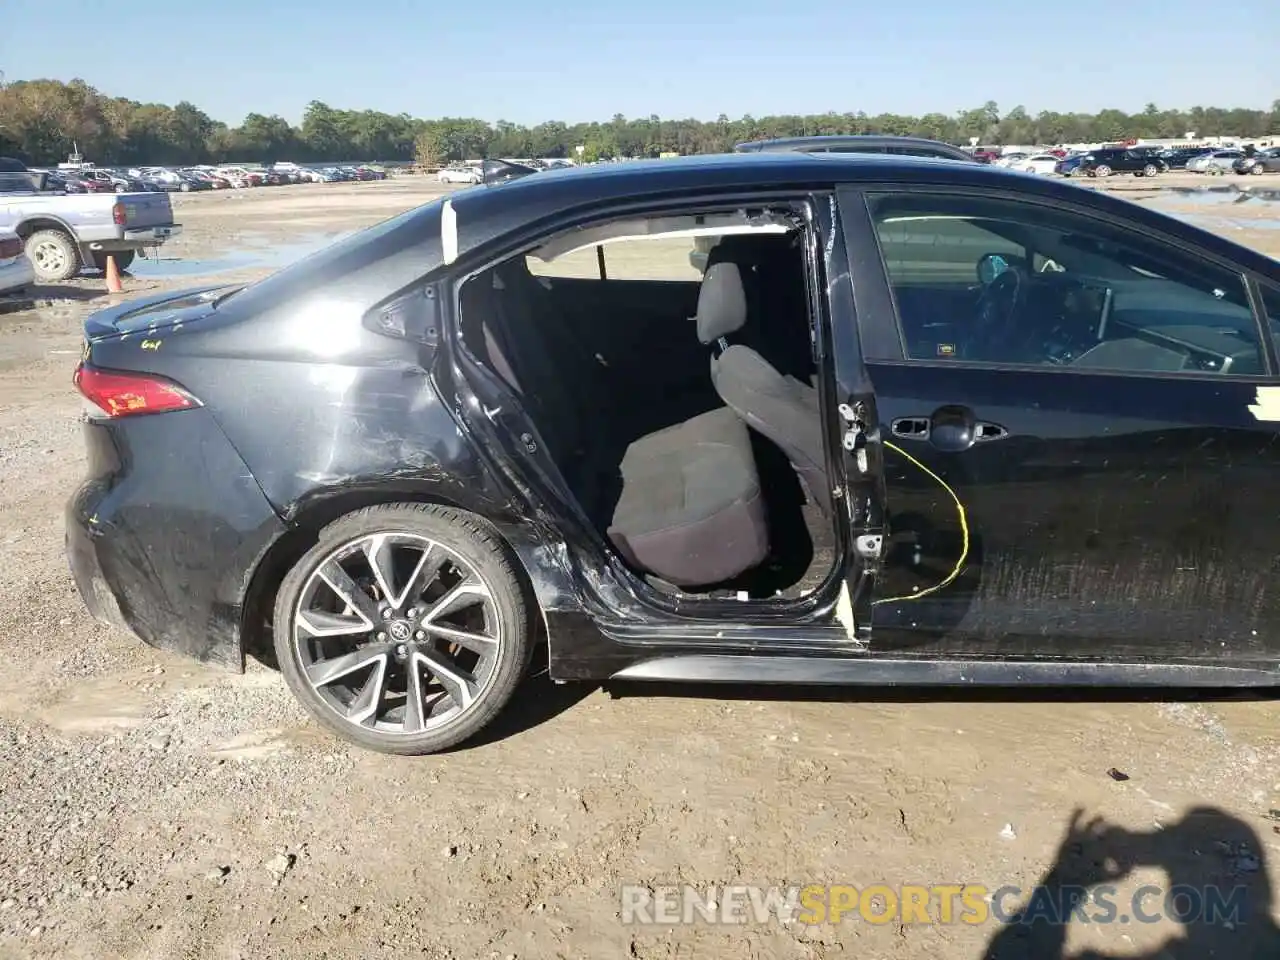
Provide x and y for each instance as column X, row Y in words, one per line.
column 54, row 256
column 1257, row 170
column 123, row 259
column 1102, row 170
column 1150, row 170
column 465, row 542
column 121, row 188
column 186, row 187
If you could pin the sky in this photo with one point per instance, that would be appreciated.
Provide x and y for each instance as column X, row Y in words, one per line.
column 575, row 60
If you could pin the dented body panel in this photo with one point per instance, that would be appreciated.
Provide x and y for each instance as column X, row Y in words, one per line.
column 1121, row 537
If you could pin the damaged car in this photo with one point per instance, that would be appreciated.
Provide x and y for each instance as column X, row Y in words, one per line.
column 911, row 423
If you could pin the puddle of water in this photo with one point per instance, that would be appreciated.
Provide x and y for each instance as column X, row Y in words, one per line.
column 1224, row 223
column 254, row 251
column 1225, row 194
column 1174, row 201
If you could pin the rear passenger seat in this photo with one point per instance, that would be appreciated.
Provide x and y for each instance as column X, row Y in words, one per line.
column 690, row 509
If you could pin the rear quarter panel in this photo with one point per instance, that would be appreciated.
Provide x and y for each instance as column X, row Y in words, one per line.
column 318, row 406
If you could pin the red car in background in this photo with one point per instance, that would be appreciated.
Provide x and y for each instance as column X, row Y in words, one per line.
column 82, row 183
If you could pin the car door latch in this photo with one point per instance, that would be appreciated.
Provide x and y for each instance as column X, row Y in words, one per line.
column 855, row 434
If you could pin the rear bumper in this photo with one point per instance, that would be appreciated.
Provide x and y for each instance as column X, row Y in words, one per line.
column 134, row 239
column 165, row 535
column 148, row 236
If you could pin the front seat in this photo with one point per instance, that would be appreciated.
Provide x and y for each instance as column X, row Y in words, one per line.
column 782, row 408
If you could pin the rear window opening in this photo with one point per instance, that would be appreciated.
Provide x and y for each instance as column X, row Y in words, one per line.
column 667, row 365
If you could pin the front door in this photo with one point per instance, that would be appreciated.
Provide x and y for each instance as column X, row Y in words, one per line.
column 1073, row 466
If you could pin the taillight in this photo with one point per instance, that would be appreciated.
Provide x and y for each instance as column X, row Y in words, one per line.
column 129, row 394
column 118, row 215
column 10, row 249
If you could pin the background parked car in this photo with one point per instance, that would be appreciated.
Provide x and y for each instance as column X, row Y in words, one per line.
column 458, row 173
column 1264, row 161
column 1070, row 166
column 214, row 181
column 1040, row 163
column 1178, row 157
column 16, row 271
column 1105, row 162
column 1215, row 161
column 240, row 177
column 854, row 143
column 88, row 182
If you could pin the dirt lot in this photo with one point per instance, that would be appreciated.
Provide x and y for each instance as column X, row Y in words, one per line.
column 153, row 808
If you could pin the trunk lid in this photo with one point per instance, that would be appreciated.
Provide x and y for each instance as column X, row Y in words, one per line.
column 155, row 313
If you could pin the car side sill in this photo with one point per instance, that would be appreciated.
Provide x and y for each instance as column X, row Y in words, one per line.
column 875, row 671
column 750, row 637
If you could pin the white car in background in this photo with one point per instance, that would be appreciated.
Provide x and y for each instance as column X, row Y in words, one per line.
column 16, row 271
column 458, row 173
column 1043, row 163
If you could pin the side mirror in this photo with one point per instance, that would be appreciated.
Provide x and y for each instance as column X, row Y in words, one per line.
column 990, row 266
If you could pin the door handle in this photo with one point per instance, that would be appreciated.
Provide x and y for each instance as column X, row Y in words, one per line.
column 951, row 428
column 910, row 428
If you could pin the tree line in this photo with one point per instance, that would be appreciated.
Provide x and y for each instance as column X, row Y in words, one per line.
column 41, row 120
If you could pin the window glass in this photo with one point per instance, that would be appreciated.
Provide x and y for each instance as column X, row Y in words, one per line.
column 998, row 281
column 1271, row 307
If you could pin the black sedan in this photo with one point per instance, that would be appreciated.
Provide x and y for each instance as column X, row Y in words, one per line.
column 917, row 423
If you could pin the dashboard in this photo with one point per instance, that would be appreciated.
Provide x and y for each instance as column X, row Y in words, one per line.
column 1138, row 325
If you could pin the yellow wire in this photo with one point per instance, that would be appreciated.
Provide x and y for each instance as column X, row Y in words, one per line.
column 964, row 530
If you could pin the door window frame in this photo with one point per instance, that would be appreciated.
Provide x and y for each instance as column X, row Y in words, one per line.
column 882, row 336
column 807, row 614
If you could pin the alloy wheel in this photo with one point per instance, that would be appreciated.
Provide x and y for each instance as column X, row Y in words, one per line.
column 397, row 634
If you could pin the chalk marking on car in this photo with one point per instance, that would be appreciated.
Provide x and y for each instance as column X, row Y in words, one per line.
column 1266, row 404
column 844, row 612
column 449, row 232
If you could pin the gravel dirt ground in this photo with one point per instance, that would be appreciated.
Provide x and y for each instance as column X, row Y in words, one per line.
column 150, row 807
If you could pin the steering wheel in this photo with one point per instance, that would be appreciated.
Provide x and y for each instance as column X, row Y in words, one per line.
column 998, row 308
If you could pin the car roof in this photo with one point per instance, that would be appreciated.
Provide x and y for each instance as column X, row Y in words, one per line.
column 487, row 213
column 466, row 227
column 852, row 143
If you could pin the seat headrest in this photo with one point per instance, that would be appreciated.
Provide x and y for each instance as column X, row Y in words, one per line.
column 722, row 302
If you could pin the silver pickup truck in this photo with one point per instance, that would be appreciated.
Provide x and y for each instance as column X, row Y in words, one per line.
column 62, row 233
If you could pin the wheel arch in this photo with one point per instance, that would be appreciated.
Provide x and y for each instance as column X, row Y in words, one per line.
column 543, row 586
column 44, row 222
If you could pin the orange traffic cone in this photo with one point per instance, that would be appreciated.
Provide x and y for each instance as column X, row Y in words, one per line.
column 113, row 276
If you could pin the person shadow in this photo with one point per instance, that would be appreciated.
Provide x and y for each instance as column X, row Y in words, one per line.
column 1218, row 890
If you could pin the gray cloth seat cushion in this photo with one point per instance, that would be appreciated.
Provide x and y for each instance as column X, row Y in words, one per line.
column 782, row 408
column 691, row 510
